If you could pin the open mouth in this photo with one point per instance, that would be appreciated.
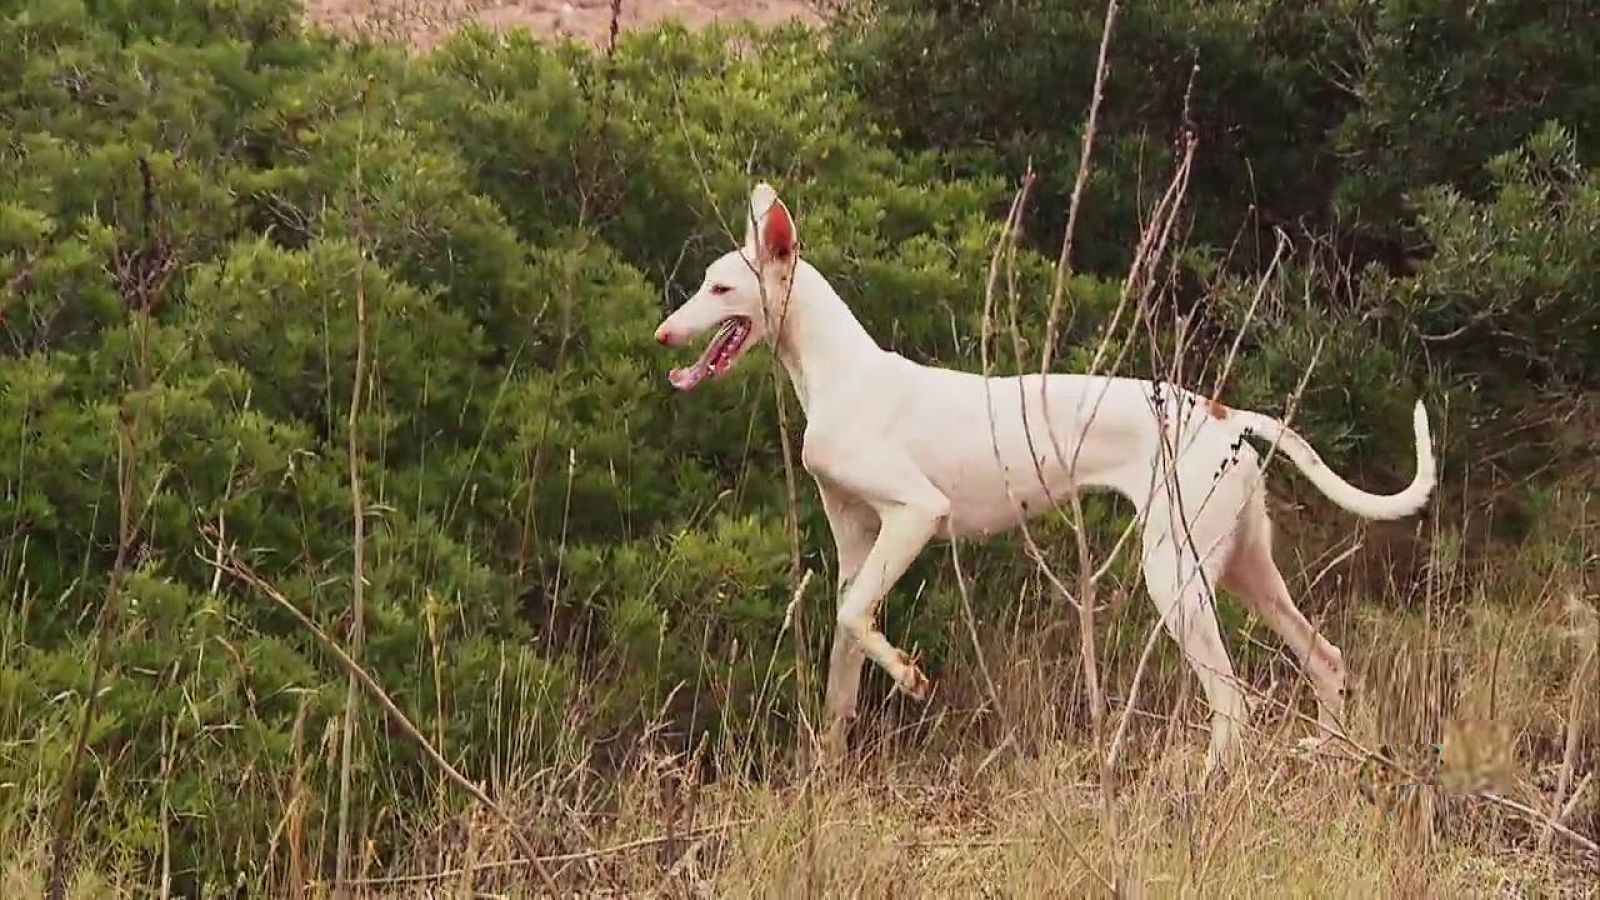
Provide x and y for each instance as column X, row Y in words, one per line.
column 719, row 356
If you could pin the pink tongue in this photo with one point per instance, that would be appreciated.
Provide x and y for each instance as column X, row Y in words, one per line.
column 688, row 377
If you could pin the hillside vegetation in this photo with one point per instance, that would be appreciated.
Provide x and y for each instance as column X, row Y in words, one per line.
column 277, row 307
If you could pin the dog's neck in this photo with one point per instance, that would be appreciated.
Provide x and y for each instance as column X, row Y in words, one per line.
column 819, row 340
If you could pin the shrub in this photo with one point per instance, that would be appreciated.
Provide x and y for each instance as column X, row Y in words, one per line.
column 190, row 199
column 998, row 86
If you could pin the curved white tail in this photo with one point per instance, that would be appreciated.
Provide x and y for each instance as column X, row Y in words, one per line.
column 1347, row 495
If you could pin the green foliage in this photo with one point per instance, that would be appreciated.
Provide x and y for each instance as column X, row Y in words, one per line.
column 1003, row 85
column 191, row 199
column 1510, row 282
column 1325, row 114
column 1444, row 86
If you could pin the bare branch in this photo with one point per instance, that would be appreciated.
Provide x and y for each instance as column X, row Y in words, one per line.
column 358, row 537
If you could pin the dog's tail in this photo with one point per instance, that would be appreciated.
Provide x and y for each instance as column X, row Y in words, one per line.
column 1347, row 495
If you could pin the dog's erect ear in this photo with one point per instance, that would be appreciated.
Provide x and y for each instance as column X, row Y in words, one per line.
column 769, row 229
column 761, row 199
column 777, row 237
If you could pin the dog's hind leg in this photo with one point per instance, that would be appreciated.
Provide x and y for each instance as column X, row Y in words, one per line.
column 1253, row 575
column 1181, row 582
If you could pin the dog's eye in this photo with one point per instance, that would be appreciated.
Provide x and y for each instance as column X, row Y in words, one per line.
column 720, row 289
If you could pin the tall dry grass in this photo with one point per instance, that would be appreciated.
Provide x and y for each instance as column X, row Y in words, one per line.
column 1472, row 690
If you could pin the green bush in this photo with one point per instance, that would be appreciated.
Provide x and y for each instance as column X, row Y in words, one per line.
column 1509, row 285
column 191, row 198
column 1001, row 85
column 1444, row 87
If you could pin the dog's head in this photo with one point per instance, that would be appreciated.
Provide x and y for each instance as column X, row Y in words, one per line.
column 744, row 296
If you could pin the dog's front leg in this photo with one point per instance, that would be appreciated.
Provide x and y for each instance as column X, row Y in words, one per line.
column 904, row 530
column 910, row 510
column 855, row 528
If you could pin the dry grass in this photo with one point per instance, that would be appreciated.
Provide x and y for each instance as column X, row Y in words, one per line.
column 953, row 816
column 964, row 810
column 991, row 820
column 942, row 801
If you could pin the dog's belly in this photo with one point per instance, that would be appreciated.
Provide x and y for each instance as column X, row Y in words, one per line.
column 993, row 474
column 1003, row 455
column 988, row 497
column 994, row 486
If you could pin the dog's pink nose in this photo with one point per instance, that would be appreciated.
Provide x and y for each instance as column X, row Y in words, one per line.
column 664, row 336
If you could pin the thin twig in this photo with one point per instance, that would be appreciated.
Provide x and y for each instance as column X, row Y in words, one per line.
column 1570, row 754
column 1072, row 847
column 1577, row 794
column 1006, row 244
column 972, row 627
column 1538, row 818
column 1086, row 567
column 1129, row 705
column 972, row 843
column 358, row 606
column 106, row 623
column 128, row 458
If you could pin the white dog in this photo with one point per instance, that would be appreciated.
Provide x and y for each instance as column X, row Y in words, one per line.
column 902, row 453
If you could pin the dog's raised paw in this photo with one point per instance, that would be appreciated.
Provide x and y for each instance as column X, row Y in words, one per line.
column 916, row 684
column 911, row 680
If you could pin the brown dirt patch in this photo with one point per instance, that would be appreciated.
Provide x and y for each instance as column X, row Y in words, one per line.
column 424, row 22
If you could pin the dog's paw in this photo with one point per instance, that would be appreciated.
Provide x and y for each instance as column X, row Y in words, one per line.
column 916, row 684
column 911, row 680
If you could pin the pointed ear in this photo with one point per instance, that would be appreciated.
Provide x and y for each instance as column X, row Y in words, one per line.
column 769, row 230
column 761, row 199
column 777, row 233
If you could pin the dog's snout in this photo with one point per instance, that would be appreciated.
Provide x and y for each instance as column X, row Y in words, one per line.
column 664, row 336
